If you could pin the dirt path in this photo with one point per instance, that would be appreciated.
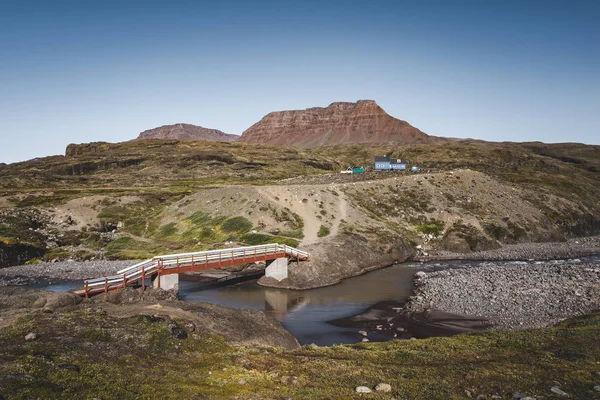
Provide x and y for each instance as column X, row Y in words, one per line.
column 342, row 213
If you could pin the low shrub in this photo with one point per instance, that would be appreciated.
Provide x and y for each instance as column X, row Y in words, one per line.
column 323, row 231
column 432, row 227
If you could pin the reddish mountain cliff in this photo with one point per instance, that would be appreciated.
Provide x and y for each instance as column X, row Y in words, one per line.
column 363, row 121
column 187, row 132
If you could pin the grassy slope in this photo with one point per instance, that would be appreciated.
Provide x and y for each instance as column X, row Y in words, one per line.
column 135, row 358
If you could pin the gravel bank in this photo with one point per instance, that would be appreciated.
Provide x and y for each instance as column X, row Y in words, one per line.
column 513, row 296
column 63, row 270
column 573, row 248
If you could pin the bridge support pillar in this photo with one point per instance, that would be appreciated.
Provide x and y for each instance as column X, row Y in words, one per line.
column 166, row 282
column 277, row 269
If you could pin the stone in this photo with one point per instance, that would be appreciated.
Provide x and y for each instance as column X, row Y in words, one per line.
column 31, row 336
column 363, row 333
column 364, row 339
column 420, row 275
column 178, row 333
column 597, row 388
column 555, row 389
column 383, row 387
column 363, row 389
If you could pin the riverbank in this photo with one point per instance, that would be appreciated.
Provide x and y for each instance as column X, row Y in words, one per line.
column 572, row 248
column 59, row 271
column 518, row 296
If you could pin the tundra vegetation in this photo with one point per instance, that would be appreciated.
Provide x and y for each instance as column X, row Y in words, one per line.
column 87, row 354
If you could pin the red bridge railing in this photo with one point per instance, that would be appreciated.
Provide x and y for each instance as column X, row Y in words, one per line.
column 187, row 262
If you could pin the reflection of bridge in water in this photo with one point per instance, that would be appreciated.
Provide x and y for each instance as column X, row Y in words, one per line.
column 164, row 270
column 279, row 303
column 364, row 289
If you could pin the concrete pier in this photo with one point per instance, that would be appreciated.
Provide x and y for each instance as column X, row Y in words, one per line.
column 277, row 269
column 167, row 282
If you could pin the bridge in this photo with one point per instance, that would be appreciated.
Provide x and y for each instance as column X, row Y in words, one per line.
column 164, row 270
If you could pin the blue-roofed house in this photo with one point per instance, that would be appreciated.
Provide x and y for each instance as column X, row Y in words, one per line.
column 382, row 163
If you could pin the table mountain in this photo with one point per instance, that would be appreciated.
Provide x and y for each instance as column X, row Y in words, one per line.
column 187, row 132
column 341, row 122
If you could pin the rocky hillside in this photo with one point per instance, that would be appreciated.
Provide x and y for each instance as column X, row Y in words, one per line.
column 363, row 121
column 187, row 132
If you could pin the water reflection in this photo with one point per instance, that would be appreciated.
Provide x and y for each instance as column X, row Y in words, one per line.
column 305, row 313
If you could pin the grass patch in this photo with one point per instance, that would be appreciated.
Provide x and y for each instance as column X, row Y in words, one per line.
column 323, row 231
column 236, row 224
column 432, row 227
column 167, row 230
column 254, row 239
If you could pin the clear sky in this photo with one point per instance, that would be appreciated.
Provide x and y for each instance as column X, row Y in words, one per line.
column 500, row 70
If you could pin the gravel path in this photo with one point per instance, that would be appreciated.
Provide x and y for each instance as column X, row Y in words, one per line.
column 511, row 296
column 573, row 248
column 63, row 270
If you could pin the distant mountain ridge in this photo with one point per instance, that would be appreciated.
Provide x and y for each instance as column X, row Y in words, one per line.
column 340, row 122
column 187, row 132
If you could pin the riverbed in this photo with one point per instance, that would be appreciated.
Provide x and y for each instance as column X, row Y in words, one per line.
column 305, row 313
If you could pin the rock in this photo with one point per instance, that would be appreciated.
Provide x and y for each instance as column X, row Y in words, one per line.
column 363, row 389
column 518, row 395
column 363, row 121
column 364, row 339
column 555, row 389
column 30, row 336
column 468, row 393
column 178, row 333
column 363, row 333
column 242, row 381
column 420, row 275
column 383, row 387
column 597, row 388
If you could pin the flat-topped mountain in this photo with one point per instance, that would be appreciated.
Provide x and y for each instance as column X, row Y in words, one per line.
column 342, row 122
column 187, row 132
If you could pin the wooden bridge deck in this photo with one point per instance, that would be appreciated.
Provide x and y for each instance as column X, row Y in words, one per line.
column 188, row 262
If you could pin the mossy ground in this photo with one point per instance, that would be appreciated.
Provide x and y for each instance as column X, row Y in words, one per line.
column 138, row 358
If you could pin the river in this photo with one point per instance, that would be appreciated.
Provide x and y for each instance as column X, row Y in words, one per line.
column 305, row 313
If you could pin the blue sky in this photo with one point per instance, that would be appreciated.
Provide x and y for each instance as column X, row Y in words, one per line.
column 500, row 70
